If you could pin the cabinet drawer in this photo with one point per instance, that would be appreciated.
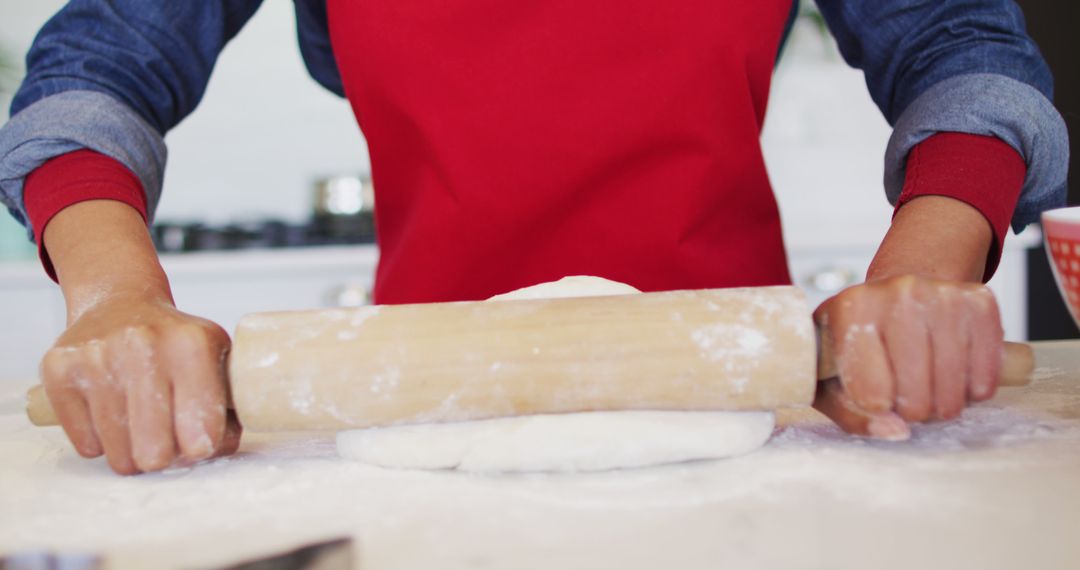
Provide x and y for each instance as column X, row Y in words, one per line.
column 30, row 321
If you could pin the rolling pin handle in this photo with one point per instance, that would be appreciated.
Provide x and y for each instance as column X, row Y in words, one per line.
column 38, row 408
column 1017, row 362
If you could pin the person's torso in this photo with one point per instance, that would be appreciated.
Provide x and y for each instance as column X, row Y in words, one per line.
column 517, row 142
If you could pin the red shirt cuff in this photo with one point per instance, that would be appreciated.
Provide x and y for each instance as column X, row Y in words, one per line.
column 984, row 172
column 76, row 177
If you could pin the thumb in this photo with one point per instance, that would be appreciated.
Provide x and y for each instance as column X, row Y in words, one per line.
column 834, row 402
column 231, row 442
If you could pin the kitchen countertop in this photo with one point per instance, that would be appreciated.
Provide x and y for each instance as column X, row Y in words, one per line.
column 998, row 488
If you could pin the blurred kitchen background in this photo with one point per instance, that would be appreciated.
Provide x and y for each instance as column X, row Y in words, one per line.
column 267, row 199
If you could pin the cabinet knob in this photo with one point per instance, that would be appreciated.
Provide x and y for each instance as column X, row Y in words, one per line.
column 351, row 295
column 829, row 280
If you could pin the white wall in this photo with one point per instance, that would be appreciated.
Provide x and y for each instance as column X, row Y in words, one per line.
column 264, row 130
column 824, row 142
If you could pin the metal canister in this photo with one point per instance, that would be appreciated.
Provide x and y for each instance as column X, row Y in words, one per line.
column 344, row 208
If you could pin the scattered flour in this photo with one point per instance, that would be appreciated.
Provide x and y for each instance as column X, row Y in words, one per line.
column 267, row 360
column 996, row 489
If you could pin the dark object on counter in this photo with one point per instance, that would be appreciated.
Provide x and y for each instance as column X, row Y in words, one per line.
column 1048, row 317
column 170, row 237
column 49, row 561
column 329, row 555
column 336, row 554
column 343, row 213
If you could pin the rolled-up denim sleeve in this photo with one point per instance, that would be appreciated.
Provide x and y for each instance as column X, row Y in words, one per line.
column 963, row 66
column 113, row 76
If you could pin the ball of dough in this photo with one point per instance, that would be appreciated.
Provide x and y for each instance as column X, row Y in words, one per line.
column 572, row 286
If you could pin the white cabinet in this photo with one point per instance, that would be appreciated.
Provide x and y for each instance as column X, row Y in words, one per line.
column 223, row 286
column 30, row 318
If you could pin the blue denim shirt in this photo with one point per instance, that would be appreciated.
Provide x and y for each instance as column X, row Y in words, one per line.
column 115, row 75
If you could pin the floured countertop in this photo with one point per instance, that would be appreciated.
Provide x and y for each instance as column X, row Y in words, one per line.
column 999, row 488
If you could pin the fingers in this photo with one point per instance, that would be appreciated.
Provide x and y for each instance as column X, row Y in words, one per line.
column 950, row 346
column 836, row 403
column 908, row 344
column 149, row 401
column 142, row 395
column 108, row 411
column 61, row 381
column 90, row 404
column 987, row 346
column 861, row 357
column 199, row 393
column 909, row 349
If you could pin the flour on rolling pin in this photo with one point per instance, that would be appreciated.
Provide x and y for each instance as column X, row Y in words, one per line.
column 586, row 441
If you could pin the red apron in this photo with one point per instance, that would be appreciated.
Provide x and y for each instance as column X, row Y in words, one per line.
column 515, row 142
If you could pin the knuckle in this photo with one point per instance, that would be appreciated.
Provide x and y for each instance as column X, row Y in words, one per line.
column 982, row 293
column 981, row 300
column 55, row 365
column 856, row 296
column 213, row 330
column 67, row 368
column 945, row 294
column 133, row 337
column 905, row 305
column 189, row 338
column 903, row 284
column 914, row 289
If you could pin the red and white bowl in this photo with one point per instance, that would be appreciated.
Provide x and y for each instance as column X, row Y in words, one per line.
column 1061, row 230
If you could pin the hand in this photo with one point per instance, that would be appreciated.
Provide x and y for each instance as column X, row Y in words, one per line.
column 908, row 349
column 134, row 378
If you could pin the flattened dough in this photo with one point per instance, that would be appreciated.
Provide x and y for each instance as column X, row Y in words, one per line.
column 588, row 441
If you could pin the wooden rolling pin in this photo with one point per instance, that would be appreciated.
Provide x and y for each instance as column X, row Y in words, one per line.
column 721, row 349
